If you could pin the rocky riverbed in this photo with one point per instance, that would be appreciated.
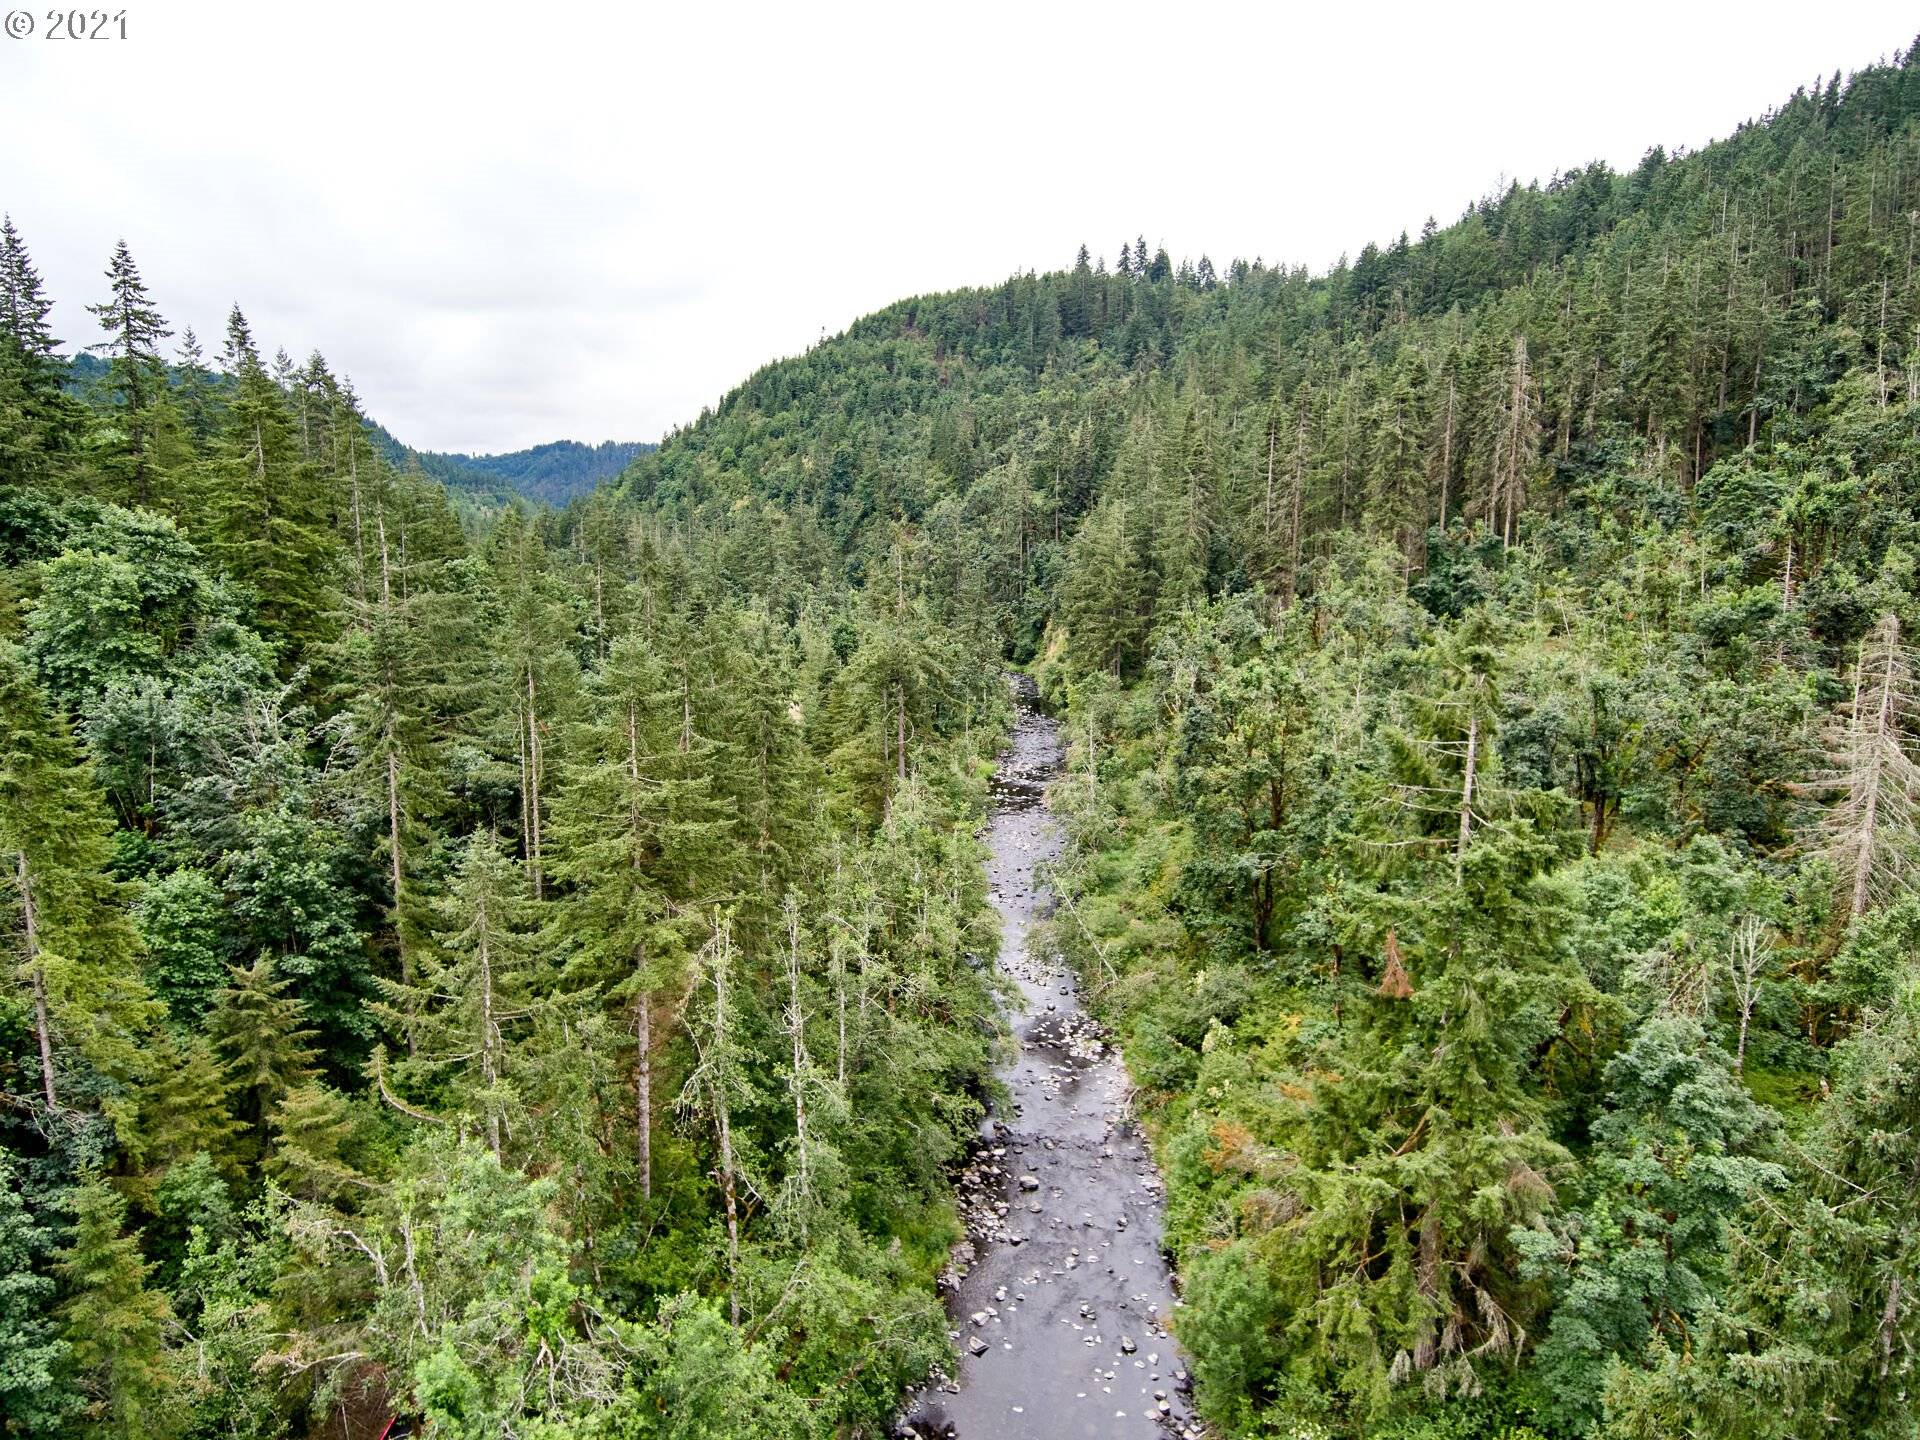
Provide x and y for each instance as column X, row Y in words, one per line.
column 1060, row 1294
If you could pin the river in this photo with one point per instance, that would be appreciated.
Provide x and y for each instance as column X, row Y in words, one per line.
column 1060, row 1295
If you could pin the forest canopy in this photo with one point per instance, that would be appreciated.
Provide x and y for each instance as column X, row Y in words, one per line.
column 518, row 966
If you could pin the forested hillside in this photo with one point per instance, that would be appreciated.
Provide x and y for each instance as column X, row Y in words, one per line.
column 530, row 981
column 554, row 473
column 516, row 982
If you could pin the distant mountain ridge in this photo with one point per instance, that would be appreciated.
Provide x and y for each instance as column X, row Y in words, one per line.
column 553, row 473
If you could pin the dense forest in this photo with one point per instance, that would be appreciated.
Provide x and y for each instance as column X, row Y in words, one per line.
column 526, row 974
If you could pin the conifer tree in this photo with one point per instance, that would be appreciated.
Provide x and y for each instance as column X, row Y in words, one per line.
column 1510, row 443
column 36, row 417
column 1818, row 1324
column 1428, row 1143
column 77, row 951
column 35, row 1396
column 24, row 307
column 1873, row 826
column 183, row 1109
column 637, row 839
column 262, row 1031
column 194, row 392
column 474, row 996
column 1103, row 589
column 1680, row 1154
column 1445, row 447
column 537, row 676
column 410, row 666
column 313, row 1130
column 897, row 680
column 720, row 1082
column 1396, row 503
column 814, row 1169
column 270, row 515
column 1184, row 506
column 136, row 375
column 114, row 1324
column 1239, row 711
column 761, row 770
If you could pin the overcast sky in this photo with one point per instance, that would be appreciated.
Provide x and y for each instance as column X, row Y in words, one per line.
column 521, row 223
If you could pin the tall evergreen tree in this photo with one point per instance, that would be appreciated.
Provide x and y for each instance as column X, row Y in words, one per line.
column 537, row 675
column 115, row 1325
column 37, row 420
column 639, row 840
column 196, row 394
column 136, row 377
column 77, row 951
column 261, row 1030
column 270, row 524
column 36, row 1396
column 463, row 1019
column 1873, row 827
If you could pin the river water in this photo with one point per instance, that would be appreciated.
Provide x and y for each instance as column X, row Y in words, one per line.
column 1060, row 1295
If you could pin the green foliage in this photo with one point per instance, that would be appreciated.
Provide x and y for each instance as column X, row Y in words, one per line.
column 269, row 510
column 77, row 949
column 1815, row 1322
column 694, row 1378
column 114, row 1324
column 1673, row 1167
column 182, row 924
column 260, row 1029
column 462, row 1016
column 35, row 1397
column 1491, row 811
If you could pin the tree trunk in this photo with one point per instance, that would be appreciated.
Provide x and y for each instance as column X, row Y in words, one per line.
column 1266, row 513
column 840, row 1012
column 1299, row 485
column 42, row 1026
column 900, row 731
column 1869, row 820
column 723, row 1131
column 643, row 1091
column 642, row 1003
column 359, row 536
column 733, row 1214
column 1466, row 798
column 599, row 611
column 533, row 787
column 802, row 1063
column 489, row 1029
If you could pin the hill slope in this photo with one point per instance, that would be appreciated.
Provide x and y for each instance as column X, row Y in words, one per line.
column 1472, row 843
column 554, row 473
column 525, row 974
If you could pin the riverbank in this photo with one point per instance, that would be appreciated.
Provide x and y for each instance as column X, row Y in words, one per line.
column 1060, row 1294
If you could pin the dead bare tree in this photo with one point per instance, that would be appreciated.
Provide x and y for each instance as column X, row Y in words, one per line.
column 1747, row 951
column 712, row 1086
column 1871, row 827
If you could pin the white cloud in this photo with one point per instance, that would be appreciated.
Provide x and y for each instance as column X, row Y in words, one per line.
column 513, row 223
